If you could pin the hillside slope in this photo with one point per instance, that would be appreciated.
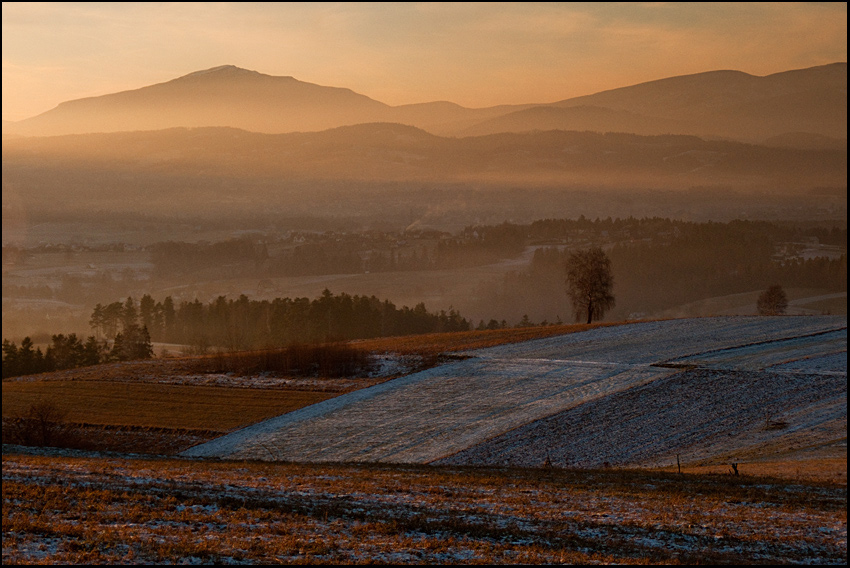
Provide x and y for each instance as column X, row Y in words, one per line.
column 644, row 392
column 738, row 105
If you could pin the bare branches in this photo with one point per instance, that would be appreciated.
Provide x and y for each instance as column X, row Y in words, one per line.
column 589, row 283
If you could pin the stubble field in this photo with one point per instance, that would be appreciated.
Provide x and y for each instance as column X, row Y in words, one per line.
column 84, row 509
column 788, row 505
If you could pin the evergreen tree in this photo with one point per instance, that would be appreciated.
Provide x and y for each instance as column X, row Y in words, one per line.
column 97, row 320
column 132, row 344
column 93, row 352
column 11, row 361
column 147, row 310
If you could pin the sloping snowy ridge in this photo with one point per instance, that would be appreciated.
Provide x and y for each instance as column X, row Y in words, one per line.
column 636, row 394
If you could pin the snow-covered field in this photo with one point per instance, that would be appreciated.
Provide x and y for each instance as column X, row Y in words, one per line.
column 708, row 389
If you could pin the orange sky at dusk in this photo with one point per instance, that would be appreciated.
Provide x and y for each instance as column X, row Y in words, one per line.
column 473, row 54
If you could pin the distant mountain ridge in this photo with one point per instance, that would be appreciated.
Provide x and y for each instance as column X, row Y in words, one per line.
column 392, row 152
column 221, row 96
column 739, row 105
column 713, row 104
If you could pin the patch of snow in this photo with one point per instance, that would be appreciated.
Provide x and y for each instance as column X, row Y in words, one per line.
column 592, row 397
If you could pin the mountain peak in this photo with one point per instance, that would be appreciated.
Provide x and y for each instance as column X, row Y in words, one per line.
column 222, row 70
column 715, row 103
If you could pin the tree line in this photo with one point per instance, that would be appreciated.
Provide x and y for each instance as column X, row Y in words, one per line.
column 125, row 330
column 70, row 352
column 341, row 253
column 128, row 339
column 352, row 253
column 240, row 323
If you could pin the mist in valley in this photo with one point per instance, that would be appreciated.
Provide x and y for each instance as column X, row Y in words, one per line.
column 337, row 248
column 499, row 258
column 230, row 183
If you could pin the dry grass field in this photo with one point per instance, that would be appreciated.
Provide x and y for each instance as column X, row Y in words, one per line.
column 115, row 403
column 163, row 397
column 436, row 343
column 142, row 506
column 112, row 510
column 796, row 468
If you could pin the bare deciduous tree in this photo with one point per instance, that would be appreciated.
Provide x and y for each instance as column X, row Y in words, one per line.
column 589, row 283
column 43, row 425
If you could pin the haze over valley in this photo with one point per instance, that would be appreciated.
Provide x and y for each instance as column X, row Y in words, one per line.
column 439, row 282
column 727, row 104
column 229, row 153
column 238, row 140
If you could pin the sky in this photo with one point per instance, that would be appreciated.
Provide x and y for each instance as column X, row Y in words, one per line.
column 475, row 54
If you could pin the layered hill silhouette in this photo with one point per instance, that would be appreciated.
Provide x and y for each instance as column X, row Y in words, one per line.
column 715, row 104
column 228, row 135
column 728, row 104
column 738, row 105
column 221, row 96
column 391, row 152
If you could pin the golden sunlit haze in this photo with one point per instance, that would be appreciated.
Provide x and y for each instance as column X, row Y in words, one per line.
column 472, row 54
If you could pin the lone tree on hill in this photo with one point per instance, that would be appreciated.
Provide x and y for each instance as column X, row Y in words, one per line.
column 772, row 302
column 589, row 283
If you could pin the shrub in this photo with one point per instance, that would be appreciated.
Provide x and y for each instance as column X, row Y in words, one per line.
column 772, row 302
column 44, row 425
column 328, row 360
